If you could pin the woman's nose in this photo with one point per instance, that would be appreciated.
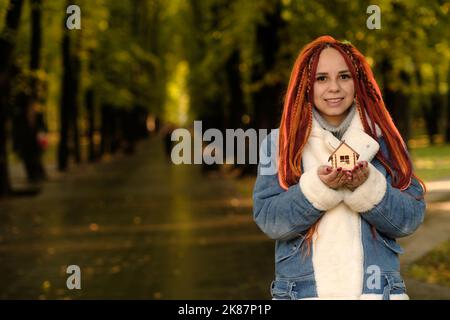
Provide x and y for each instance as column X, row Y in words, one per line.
column 334, row 86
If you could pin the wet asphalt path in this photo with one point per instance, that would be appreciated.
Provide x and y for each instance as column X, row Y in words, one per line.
column 138, row 228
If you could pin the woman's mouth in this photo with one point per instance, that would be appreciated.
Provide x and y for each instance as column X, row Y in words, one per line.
column 334, row 101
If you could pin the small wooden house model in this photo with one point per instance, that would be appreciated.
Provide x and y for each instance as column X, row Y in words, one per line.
column 344, row 156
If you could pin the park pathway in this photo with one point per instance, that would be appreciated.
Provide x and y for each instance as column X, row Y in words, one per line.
column 138, row 227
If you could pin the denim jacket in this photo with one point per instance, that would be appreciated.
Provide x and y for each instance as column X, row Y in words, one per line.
column 286, row 216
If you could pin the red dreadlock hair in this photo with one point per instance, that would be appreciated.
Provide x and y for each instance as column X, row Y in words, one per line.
column 297, row 116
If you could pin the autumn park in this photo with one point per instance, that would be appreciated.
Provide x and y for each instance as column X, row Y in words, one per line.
column 94, row 92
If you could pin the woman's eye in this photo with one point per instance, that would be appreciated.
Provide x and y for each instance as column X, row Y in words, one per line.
column 345, row 76
column 321, row 78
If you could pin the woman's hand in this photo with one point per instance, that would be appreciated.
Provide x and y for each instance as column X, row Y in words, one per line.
column 333, row 178
column 358, row 175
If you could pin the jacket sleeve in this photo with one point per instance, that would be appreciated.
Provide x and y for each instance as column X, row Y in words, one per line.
column 283, row 214
column 391, row 211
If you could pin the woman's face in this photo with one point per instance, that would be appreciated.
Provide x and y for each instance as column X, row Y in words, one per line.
column 334, row 89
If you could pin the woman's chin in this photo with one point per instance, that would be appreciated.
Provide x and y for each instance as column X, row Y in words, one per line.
column 336, row 112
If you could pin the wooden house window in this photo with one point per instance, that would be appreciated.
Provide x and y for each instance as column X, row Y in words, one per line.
column 345, row 159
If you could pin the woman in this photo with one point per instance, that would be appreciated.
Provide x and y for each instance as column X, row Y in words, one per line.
column 335, row 229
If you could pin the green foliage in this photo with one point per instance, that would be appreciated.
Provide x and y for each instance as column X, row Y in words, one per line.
column 413, row 37
column 116, row 61
column 3, row 9
column 128, row 72
column 434, row 267
column 131, row 50
column 177, row 102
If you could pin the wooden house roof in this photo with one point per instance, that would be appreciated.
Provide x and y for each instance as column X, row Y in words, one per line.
column 343, row 142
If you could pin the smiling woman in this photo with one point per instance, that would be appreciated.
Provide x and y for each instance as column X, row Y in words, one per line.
column 335, row 229
column 334, row 89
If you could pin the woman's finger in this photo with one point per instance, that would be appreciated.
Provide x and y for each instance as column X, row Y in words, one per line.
column 341, row 178
column 348, row 177
column 328, row 175
column 359, row 173
column 333, row 178
column 334, row 173
column 365, row 173
column 324, row 170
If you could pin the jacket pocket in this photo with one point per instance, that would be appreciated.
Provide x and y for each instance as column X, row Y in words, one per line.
column 390, row 243
column 286, row 249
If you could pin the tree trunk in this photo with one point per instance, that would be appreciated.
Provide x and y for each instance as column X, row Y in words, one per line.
column 433, row 113
column 36, row 34
column 447, row 122
column 69, row 134
column 116, row 130
column 109, row 130
column 76, row 151
column 63, row 148
column 396, row 102
column 90, row 108
column 92, row 154
column 31, row 117
column 7, row 44
column 267, row 101
column 236, row 105
column 76, row 63
column 103, row 130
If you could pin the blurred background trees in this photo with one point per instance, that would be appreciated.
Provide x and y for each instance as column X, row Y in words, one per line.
column 136, row 65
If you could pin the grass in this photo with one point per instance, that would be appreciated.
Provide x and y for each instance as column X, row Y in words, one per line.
column 434, row 267
column 431, row 162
